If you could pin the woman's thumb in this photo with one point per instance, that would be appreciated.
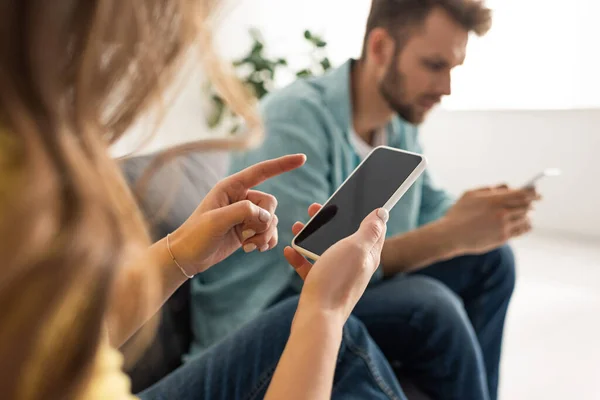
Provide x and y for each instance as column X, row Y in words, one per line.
column 373, row 227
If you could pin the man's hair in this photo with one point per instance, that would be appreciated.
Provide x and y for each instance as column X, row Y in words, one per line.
column 396, row 16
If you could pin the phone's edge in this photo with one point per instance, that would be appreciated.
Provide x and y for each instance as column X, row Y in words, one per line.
column 412, row 178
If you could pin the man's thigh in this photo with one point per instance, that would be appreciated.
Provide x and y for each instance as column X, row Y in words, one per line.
column 471, row 276
column 413, row 318
column 423, row 330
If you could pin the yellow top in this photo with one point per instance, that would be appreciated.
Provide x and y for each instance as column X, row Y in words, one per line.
column 107, row 380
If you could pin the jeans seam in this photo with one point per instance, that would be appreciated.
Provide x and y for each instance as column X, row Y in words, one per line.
column 264, row 379
column 370, row 366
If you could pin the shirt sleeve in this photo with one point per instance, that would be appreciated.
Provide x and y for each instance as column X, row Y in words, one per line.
column 435, row 201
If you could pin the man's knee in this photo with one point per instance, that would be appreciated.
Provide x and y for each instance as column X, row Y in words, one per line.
column 416, row 302
column 501, row 268
column 445, row 326
column 439, row 306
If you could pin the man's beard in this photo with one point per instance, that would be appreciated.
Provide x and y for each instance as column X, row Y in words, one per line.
column 392, row 90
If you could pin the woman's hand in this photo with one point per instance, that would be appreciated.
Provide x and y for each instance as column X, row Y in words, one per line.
column 230, row 216
column 336, row 282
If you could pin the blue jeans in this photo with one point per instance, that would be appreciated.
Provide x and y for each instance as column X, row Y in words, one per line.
column 241, row 367
column 484, row 284
column 442, row 327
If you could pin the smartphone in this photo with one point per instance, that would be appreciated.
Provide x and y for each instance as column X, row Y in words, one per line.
column 380, row 180
column 545, row 173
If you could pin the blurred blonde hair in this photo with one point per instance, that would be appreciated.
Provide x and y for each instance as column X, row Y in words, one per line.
column 74, row 76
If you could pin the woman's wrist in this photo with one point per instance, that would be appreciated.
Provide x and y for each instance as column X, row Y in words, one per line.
column 170, row 271
column 316, row 318
column 174, row 259
column 179, row 248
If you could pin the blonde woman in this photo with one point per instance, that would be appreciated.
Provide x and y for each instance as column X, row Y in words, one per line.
column 79, row 275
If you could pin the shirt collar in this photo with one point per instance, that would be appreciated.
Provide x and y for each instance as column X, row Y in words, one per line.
column 337, row 86
column 338, row 96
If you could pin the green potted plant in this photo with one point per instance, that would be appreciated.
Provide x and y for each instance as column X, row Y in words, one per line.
column 259, row 73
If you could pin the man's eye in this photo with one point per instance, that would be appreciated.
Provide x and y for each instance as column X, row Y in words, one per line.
column 435, row 66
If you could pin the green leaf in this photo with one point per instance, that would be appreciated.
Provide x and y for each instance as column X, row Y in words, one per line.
column 307, row 35
column 258, row 62
column 305, row 73
column 241, row 62
column 218, row 100
column 235, row 129
column 215, row 118
column 257, row 48
column 326, row 64
column 261, row 90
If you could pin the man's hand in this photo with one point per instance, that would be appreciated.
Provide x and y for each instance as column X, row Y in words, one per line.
column 485, row 219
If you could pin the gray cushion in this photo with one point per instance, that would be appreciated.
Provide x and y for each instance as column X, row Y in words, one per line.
column 179, row 186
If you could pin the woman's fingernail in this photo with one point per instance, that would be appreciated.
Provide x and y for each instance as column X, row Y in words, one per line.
column 264, row 215
column 264, row 248
column 247, row 234
column 383, row 215
column 249, row 248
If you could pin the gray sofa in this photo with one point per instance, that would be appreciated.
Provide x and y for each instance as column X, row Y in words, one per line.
column 176, row 190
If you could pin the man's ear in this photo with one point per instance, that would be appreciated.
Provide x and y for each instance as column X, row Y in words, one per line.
column 380, row 48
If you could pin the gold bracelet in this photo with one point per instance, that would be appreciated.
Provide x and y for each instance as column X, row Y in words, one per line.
column 175, row 261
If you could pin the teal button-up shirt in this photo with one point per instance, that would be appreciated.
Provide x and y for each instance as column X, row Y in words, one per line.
column 313, row 117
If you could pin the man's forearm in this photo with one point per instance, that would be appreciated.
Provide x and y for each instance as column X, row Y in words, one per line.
column 419, row 248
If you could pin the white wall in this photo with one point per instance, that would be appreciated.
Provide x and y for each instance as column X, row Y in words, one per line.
column 341, row 22
column 471, row 148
